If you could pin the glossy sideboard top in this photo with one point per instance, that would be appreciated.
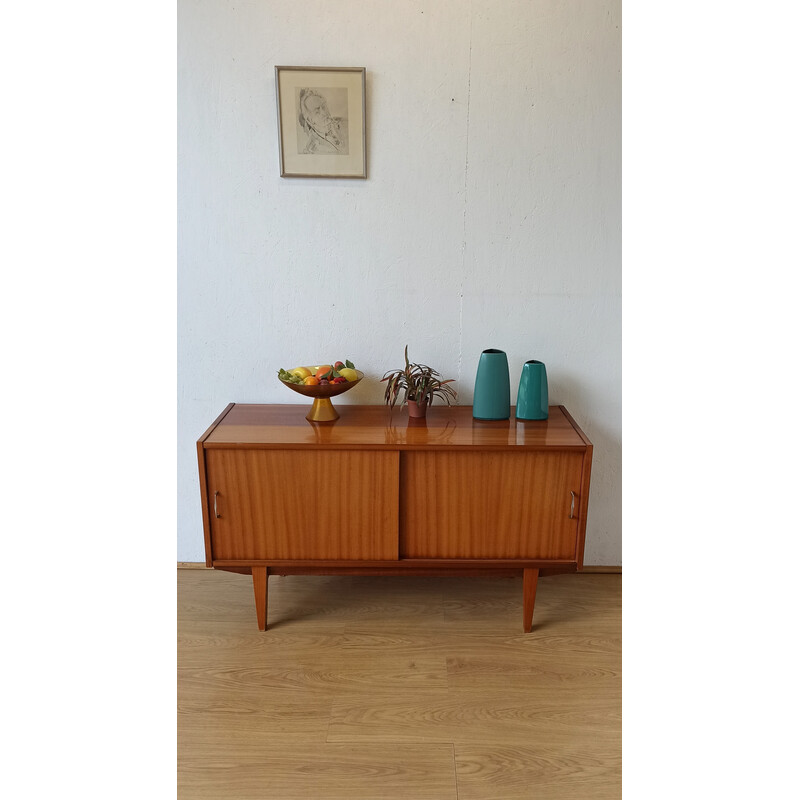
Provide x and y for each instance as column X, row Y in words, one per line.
column 377, row 427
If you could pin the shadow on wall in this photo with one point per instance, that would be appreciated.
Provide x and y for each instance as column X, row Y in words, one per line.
column 606, row 485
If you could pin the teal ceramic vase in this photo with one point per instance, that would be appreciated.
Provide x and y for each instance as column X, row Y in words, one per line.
column 492, row 398
column 532, row 398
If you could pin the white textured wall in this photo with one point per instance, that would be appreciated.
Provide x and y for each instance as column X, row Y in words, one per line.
column 490, row 217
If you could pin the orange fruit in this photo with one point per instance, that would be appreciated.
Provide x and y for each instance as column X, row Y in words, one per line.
column 311, row 381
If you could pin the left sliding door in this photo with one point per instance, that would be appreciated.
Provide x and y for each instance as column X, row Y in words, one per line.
column 303, row 504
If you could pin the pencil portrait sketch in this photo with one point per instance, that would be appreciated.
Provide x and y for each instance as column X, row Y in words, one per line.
column 322, row 121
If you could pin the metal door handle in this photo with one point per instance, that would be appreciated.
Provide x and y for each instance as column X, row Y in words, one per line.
column 572, row 506
column 216, row 512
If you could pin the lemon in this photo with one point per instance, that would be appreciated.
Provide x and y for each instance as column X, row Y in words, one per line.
column 349, row 374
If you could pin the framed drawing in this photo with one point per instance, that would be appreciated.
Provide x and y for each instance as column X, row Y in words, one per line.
column 322, row 121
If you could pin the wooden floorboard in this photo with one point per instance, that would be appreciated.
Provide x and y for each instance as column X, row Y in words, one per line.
column 398, row 688
column 329, row 772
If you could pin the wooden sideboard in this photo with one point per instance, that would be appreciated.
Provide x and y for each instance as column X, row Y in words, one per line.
column 375, row 493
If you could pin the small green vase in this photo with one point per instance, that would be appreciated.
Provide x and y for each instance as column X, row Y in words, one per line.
column 532, row 397
column 492, row 398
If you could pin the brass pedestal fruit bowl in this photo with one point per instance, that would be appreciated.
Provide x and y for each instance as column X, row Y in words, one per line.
column 322, row 409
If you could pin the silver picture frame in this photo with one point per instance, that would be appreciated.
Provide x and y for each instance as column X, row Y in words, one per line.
column 322, row 121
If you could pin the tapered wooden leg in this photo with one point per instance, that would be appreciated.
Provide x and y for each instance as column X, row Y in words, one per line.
column 530, row 578
column 260, row 576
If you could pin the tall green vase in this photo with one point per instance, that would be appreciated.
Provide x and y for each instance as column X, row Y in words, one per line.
column 492, row 398
column 532, row 397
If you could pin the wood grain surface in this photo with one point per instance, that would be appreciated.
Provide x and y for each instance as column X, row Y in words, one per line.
column 282, row 426
column 489, row 505
column 289, row 504
column 448, row 700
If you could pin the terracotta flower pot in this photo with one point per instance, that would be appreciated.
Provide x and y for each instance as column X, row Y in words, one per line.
column 417, row 410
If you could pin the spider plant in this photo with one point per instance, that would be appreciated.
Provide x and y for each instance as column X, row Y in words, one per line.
column 416, row 383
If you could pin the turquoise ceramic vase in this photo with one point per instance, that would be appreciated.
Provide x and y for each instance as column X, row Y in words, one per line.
column 532, row 399
column 492, row 398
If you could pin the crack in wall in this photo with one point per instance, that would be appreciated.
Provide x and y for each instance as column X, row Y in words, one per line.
column 466, row 184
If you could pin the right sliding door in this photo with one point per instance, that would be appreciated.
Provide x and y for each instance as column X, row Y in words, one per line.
column 490, row 504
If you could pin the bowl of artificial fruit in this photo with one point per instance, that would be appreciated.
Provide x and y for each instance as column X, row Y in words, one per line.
column 321, row 382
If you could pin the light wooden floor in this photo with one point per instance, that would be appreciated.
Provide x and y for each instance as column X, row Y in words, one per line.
column 412, row 688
